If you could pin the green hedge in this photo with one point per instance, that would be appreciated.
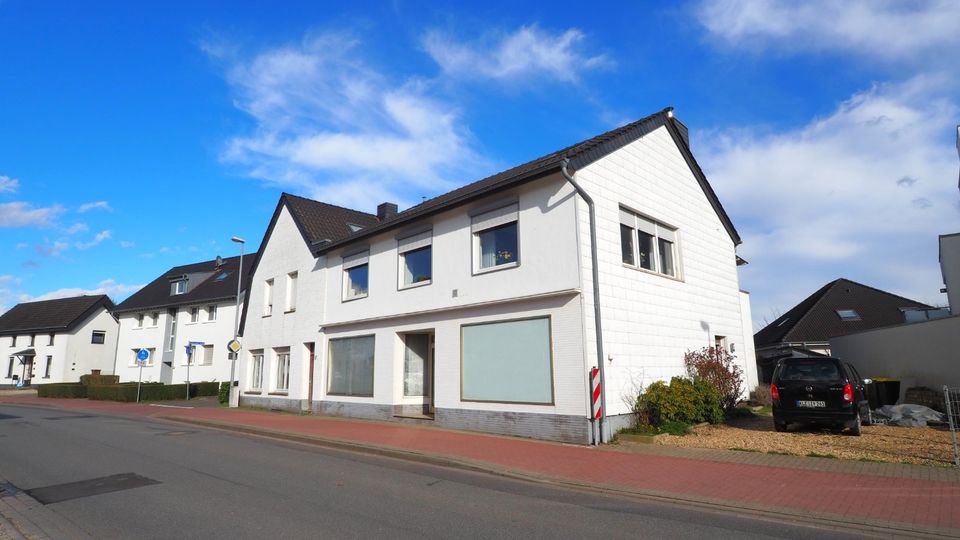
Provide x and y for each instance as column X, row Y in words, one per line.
column 151, row 392
column 62, row 390
column 683, row 400
column 98, row 380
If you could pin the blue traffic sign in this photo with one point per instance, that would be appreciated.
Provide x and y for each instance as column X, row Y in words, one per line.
column 143, row 355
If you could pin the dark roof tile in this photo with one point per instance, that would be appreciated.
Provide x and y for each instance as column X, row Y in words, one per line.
column 57, row 315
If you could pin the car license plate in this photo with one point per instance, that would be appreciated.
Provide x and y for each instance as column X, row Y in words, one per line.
column 813, row 404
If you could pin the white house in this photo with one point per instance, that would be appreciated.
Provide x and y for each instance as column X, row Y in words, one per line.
column 54, row 341
column 184, row 318
column 475, row 309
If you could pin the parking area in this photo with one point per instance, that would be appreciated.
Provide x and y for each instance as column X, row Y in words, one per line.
column 921, row 446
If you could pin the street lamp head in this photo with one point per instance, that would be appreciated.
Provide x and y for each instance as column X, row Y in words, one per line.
column 238, row 240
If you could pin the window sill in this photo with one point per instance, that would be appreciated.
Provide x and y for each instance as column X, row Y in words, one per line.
column 294, row 310
column 651, row 272
column 352, row 298
column 265, row 315
column 497, row 268
column 278, row 393
column 208, row 322
column 253, row 392
column 416, row 285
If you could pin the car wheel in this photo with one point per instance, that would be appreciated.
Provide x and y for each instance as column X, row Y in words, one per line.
column 779, row 427
column 856, row 430
column 868, row 420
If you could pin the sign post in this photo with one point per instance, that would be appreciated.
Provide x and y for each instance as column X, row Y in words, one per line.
column 190, row 349
column 142, row 356
column 234, row 347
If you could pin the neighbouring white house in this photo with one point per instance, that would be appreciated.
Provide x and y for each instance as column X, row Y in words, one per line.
column 184, row 319
column 54, row 341
column 475, row 309
column 921, row 349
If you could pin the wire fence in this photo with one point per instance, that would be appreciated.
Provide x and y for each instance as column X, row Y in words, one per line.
column 951, row 399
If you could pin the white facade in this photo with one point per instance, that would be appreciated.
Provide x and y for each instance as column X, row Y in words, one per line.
column 950, row 268
column 62, row 356
column 151, row 329
column 541, row 287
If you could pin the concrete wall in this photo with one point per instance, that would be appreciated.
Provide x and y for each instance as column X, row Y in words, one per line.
column 82, row 355
column 651, row 320
column 919, row 354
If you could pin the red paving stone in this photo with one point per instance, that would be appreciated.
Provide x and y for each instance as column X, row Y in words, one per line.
column 926, row 503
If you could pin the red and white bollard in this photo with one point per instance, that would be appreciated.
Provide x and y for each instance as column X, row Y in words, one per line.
column 595, row 407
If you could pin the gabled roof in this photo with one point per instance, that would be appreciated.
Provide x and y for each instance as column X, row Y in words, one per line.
column 319, row 221
column 580, row 155
column 815, row 319
column 60, row 315
column 156, row 294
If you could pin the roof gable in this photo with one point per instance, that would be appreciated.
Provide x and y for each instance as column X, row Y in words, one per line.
column 816, row 318
column 60, row 315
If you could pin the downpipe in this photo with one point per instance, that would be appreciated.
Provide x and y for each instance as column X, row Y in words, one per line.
column 594, row 261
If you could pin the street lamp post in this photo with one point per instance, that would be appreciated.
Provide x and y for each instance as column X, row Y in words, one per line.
column 236, row 324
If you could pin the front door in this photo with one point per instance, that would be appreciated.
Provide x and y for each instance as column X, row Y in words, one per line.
column 418, row 369
column 26, row 375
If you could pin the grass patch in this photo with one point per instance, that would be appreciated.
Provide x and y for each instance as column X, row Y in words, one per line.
column 639, row 430
column 675, row 428
column 779, row 453
column 745, row 450
column 766, row 410
column 819, row 455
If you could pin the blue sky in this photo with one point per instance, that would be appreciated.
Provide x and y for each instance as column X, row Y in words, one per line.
column 136, row 137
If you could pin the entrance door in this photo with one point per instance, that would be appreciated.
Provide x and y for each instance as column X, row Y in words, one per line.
column 418, row 368
column 27, row 374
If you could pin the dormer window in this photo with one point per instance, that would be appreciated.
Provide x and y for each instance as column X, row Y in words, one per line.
column 848, row 315
column 178, row 287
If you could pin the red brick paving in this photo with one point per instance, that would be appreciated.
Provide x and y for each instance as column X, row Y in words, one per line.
column 911, row 501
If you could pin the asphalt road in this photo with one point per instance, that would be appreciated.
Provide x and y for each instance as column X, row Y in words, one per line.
column 185, row 482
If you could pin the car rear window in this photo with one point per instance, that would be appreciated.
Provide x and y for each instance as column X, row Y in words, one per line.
column 811, row 370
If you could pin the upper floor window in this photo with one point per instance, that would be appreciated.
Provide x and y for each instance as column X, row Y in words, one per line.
column 139, row 320
column 268, row 298
column 194, row 314
column 212, row 312
column 292, row 291
column 356, row 275
column 13, row 341
column 178, row 287
column 50, row 342
column 416, row 259
column 33, row 339
column 154, row 319
column 495, row 235
column 99, row 337
column 648, row 244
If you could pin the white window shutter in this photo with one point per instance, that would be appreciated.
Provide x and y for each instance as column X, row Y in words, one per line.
column 495, row 218
column 416, row 241
column 356, row 259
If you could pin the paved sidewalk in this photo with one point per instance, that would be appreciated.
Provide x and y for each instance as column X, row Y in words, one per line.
column 901, row 498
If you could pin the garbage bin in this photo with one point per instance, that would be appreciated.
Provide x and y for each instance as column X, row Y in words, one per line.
column 872, row 396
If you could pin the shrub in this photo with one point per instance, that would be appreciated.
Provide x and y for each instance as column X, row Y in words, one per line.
column 98, row 380
column 683, row 400
column 675, row 428
column 716, row 366
column 760, row 395
column 204, row 389
column 62, row 390
column 150, row 391
column 223, row 395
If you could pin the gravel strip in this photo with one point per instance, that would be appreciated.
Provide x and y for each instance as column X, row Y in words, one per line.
column 921, row 446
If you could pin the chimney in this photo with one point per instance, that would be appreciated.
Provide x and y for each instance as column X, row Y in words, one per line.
column 386, row 211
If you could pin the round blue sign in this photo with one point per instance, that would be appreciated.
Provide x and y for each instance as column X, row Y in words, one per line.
column 143, row 355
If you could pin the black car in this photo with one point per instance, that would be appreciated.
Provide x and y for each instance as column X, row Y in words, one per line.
column 819, row 390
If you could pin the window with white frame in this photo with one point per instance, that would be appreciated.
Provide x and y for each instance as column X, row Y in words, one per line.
column 195, row 314
column 10, row 368
column 351, row 366
column 356, row 275
column 291, row 291
column 648, row 244
column 507, row 361
column 416, row 259
column 268, row 298
column 46, row 369
column 256, row 367
column 282, row 381
column 98, row 337
column 33, row 339
column 205, row 356
column 13, row 341
column 50, row 341
column 178, row 287
column 212, row 312
column 154, row 319
column 172, row 341
column 139, row 320
column 495, row 238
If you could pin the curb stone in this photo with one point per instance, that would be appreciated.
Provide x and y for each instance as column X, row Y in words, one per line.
column 874, row 527
column 23, row 517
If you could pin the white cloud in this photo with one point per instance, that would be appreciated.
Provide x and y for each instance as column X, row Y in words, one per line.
column 883, row 29
column 331, row 127
column 116, row 291
column 526, row 52
column 829, row 200
column 99, row 238
column 52, row 249
column 8, row 185
column 78, row 228
column 96, row 205
column 126, row 244
column 22, row 214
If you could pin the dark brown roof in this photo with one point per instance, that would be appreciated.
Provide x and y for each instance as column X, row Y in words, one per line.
column 320, row 221
column 59, row 315
column 580, row 155
column 156, row 294
column 815, row 319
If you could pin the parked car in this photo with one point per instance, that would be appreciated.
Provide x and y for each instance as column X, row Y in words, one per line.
column 819, row 390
